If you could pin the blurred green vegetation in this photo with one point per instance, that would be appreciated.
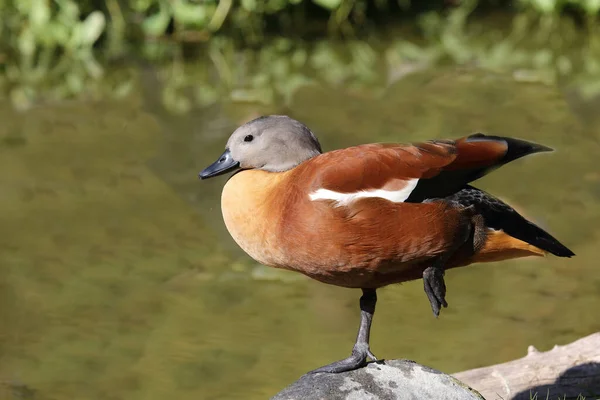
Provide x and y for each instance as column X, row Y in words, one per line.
column 263, row 50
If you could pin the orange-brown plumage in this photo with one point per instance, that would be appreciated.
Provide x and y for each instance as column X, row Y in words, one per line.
column 473, row 154
column 373, row 166
column 371, row 215
column 365, row 243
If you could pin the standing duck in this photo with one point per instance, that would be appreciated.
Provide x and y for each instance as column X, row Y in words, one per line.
column 371, row 215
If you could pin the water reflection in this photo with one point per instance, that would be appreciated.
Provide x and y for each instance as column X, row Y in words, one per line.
column 120, row 281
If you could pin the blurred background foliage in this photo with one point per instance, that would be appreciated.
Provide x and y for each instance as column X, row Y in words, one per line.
column 263, row 50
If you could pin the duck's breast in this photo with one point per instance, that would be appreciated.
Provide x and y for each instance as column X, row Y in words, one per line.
column 251, row 214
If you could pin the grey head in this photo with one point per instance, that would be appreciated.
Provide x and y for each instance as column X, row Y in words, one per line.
column 272, row 143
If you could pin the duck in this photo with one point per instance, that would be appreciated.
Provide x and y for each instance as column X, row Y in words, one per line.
column 371, row 215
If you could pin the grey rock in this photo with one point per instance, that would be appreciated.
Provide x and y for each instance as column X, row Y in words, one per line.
column 389, row 380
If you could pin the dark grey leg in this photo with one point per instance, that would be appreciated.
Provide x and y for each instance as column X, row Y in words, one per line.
column 361, row 350
column 433, row 276
column 435, row 287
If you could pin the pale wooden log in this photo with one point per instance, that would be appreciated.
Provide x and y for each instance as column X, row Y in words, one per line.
column 567, row 370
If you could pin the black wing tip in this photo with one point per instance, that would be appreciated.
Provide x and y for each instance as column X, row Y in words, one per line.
column 517, row 148
column 536, row 147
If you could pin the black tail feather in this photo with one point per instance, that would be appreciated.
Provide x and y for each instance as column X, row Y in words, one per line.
column 499, row 215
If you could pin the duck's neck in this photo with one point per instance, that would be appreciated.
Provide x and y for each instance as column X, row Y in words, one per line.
column 249, row 211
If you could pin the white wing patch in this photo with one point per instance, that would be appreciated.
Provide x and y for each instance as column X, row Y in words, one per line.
column 344, row 199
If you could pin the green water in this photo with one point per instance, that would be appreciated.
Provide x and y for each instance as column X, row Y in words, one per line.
column 119, row 280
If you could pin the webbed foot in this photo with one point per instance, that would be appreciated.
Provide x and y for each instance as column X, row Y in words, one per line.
column 358, row 359
column 435, row 288
column 361, row 350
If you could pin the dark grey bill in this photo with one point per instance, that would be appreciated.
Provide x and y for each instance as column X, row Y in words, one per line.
column 223, row 165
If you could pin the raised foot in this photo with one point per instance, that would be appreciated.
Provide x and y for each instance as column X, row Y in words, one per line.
column 435, row 288
column 358, row 359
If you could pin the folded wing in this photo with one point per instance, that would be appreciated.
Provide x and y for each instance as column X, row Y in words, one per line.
column 412, row 172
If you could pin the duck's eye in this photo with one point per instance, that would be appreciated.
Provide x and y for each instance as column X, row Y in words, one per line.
column 248, row 138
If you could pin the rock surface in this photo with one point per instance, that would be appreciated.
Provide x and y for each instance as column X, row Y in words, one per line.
column 390, row 380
